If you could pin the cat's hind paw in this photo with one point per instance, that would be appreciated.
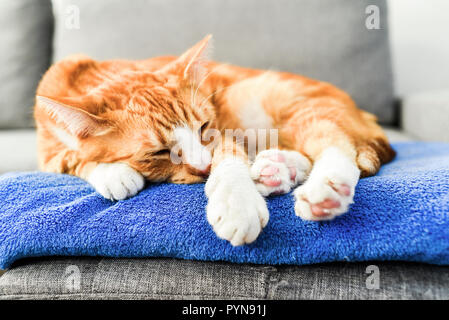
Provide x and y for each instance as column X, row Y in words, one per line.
column 330, row 188
column 278, row 171
column 322, row 201
column 116, row 181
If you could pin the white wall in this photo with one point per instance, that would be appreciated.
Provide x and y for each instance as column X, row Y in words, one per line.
column 420, row 44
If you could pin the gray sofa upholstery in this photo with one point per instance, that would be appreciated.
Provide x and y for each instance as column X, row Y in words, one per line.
column 298, row 36
column 325, row 39
column 25, row 56
column 98, row 278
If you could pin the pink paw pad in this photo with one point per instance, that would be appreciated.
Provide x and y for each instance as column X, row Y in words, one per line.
column 266, row 175
column 281, row 158
column 278, row 171
column 319, row 209
column 269, row 171
column 342, row 189
column 292, row 173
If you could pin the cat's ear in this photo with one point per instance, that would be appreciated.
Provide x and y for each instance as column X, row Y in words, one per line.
column 190, row 64
column 70, row 112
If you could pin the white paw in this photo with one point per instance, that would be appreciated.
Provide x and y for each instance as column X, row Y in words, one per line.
column 278, row 171
column 329, row 190
column 116, row 181
column 236, row 210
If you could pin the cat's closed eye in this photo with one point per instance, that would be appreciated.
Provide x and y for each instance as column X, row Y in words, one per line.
column 162, row 152
column 203, row 128
column 155, row 155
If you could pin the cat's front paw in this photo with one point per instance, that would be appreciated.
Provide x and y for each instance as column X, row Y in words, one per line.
column 116, row 181
column 236, row 210
column 278, row 171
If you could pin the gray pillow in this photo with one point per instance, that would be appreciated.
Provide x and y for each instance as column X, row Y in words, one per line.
column 323, row 39
column 26, row 34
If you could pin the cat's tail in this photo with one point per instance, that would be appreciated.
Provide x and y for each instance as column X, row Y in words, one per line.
column 375, row 150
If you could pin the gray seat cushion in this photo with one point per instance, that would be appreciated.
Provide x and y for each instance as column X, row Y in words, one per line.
column 426, row 115
column 394, row 135
column 96, row 278
column 19, row 150
column 323, row 39
column 26, row 35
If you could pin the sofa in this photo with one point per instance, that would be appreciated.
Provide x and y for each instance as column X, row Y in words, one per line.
column 325, row 39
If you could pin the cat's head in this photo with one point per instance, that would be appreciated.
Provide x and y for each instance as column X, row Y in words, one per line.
column 152, row 121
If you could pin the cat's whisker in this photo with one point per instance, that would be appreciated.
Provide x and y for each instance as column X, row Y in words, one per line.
column 202, row 82
column 191, row 92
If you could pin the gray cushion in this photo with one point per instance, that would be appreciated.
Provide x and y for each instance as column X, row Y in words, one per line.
column 19, row 150
column 26, row 34
column 395, row 135
column 426, row 115
column 324, row 39
column 96, row 278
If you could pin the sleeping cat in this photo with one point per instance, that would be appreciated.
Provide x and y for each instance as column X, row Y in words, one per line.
column 118, row 123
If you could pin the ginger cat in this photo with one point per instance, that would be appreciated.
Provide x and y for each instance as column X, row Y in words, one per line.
column 119, row 123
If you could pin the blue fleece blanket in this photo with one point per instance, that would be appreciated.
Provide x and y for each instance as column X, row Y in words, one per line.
column 400, row 214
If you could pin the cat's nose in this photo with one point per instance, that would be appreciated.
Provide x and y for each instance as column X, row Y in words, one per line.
column 199, row 172
column 206, row 171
